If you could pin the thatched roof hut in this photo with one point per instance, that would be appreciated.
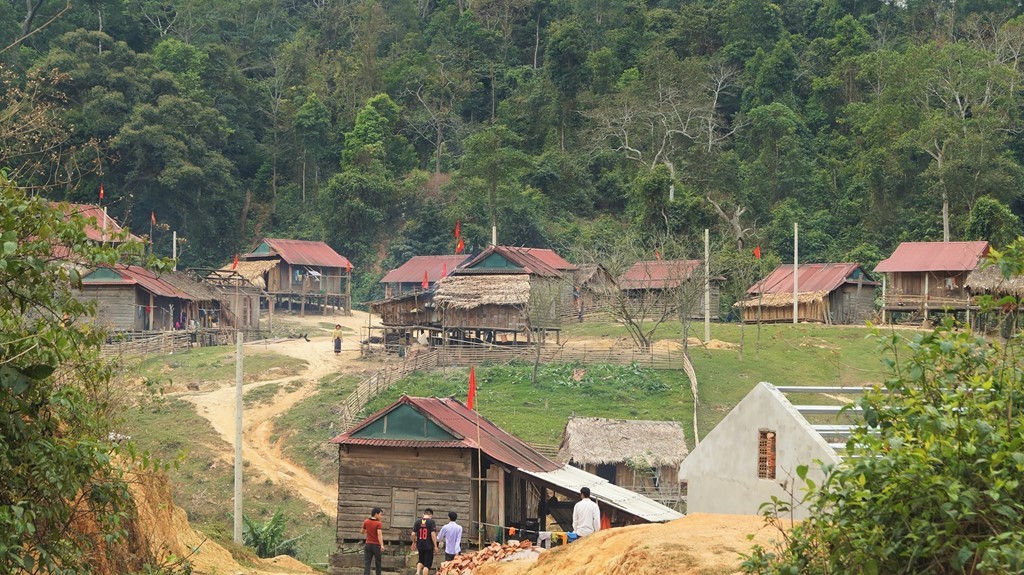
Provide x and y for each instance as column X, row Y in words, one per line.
column 473, row 291
column 596, row 440
column 253, row 270
column 640, row 455
column 989, row 280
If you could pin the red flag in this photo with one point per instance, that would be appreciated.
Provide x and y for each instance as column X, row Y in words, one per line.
column 444, row 269
column 101, row 190
column 757, row 252
column 460, row 247
column 471, row 397
column 152, row 218
column 426, row 282
column 458, row 229
column 234, row 266
column 657, row 254
column 348, row 266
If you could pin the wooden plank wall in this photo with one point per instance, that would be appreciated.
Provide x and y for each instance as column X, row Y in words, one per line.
column 401, row 481
column 115, row 305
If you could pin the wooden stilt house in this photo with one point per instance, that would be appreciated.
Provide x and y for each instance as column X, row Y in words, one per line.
column 841, row 293
column 507, row 291
column 428, row 452
column 670, row 285
column 304, row 271
column 921, row 278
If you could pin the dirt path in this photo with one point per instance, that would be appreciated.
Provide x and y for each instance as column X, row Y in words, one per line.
column 264, row 455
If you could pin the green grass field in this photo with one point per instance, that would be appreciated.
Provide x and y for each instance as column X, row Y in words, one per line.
column 217, row 364
column 805, row 354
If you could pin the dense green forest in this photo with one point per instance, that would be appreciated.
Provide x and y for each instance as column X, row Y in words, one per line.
column 375, row 125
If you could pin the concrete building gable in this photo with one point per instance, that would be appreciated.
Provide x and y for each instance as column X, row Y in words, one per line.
column 722, row 472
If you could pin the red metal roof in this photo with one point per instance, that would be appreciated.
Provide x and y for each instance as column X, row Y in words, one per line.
column 812, row 277
column 934, row 257
column 412, row 270
column 452, row 415
column 535, row 261
column 99, row 227
column 135, row 275
column 304, row 253
column 657, row 274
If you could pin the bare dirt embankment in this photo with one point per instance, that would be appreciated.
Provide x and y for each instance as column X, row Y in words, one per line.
column 699, row 544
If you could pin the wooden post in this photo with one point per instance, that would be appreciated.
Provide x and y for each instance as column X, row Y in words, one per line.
column 884, row 298
column 924, row 301
column 348, row 292
column 152, row 307
column 302, row 302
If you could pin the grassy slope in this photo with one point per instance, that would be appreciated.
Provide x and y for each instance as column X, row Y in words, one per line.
column 788, row 355
column 202, row 477
column 217, row 364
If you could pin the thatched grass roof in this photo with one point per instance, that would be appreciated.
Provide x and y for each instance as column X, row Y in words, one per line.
column 990, row 280
column 783, row 299
column 595, row 440
column 253, row 270
column 188, row 284
column 471, row 291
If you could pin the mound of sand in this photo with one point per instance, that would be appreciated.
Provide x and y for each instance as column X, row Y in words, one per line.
column 698, row 544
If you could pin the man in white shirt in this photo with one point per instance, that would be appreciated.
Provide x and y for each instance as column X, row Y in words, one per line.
column 586, row 515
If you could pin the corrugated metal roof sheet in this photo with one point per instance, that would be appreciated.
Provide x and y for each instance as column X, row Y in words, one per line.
column 572, row 479
column 455, row 417
column 304, row 253
column 104, row 228
column 934, row 257
column 535, row 261
column 812, row 278
column 135, row 275
column 412, row 270
column 657, row 274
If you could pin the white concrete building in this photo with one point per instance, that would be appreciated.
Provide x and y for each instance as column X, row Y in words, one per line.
column 755, row 451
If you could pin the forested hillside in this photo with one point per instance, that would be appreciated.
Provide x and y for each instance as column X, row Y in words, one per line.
column 376, row 125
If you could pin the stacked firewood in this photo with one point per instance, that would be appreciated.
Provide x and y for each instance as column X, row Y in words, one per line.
column 465, row 564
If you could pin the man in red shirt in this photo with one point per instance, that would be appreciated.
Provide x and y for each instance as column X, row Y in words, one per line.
column 374, row 531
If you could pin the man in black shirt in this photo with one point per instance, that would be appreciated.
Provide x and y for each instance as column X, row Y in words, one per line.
column 424, row 540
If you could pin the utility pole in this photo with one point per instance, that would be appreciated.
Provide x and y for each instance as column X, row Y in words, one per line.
column 707, row 286
column 238, row 433
column 796, row 269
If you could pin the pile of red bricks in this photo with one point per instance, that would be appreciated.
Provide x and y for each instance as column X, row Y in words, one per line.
column 467, row 563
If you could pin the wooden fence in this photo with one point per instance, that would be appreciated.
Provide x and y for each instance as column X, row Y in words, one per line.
column 163, row 342
column 371, row 387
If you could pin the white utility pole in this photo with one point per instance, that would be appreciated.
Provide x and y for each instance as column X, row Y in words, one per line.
column 707, row 285
column 796, row 270
column 238, row 437
column 174, row 249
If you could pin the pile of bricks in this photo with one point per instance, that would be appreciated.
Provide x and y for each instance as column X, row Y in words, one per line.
column 467, row 563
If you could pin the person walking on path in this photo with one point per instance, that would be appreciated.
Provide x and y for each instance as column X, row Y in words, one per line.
column 336, row 336
column 451, row 536
column 374, row 530
column 586, row 515
column 424, row 540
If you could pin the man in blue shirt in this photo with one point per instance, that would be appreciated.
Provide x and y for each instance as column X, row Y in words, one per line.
column 451, row 536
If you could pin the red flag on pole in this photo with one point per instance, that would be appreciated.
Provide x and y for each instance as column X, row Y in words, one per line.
column 460, row 247
column 426, row 282
column 234, row 266
column 152, row 218
column 348, row 266
column 444, row 269
column 101, row 190
column 471, row 397
column 657, row 254
column 458, row 229
column 757, row 252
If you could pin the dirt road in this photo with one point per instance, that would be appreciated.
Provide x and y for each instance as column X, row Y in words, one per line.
column 258, row 448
